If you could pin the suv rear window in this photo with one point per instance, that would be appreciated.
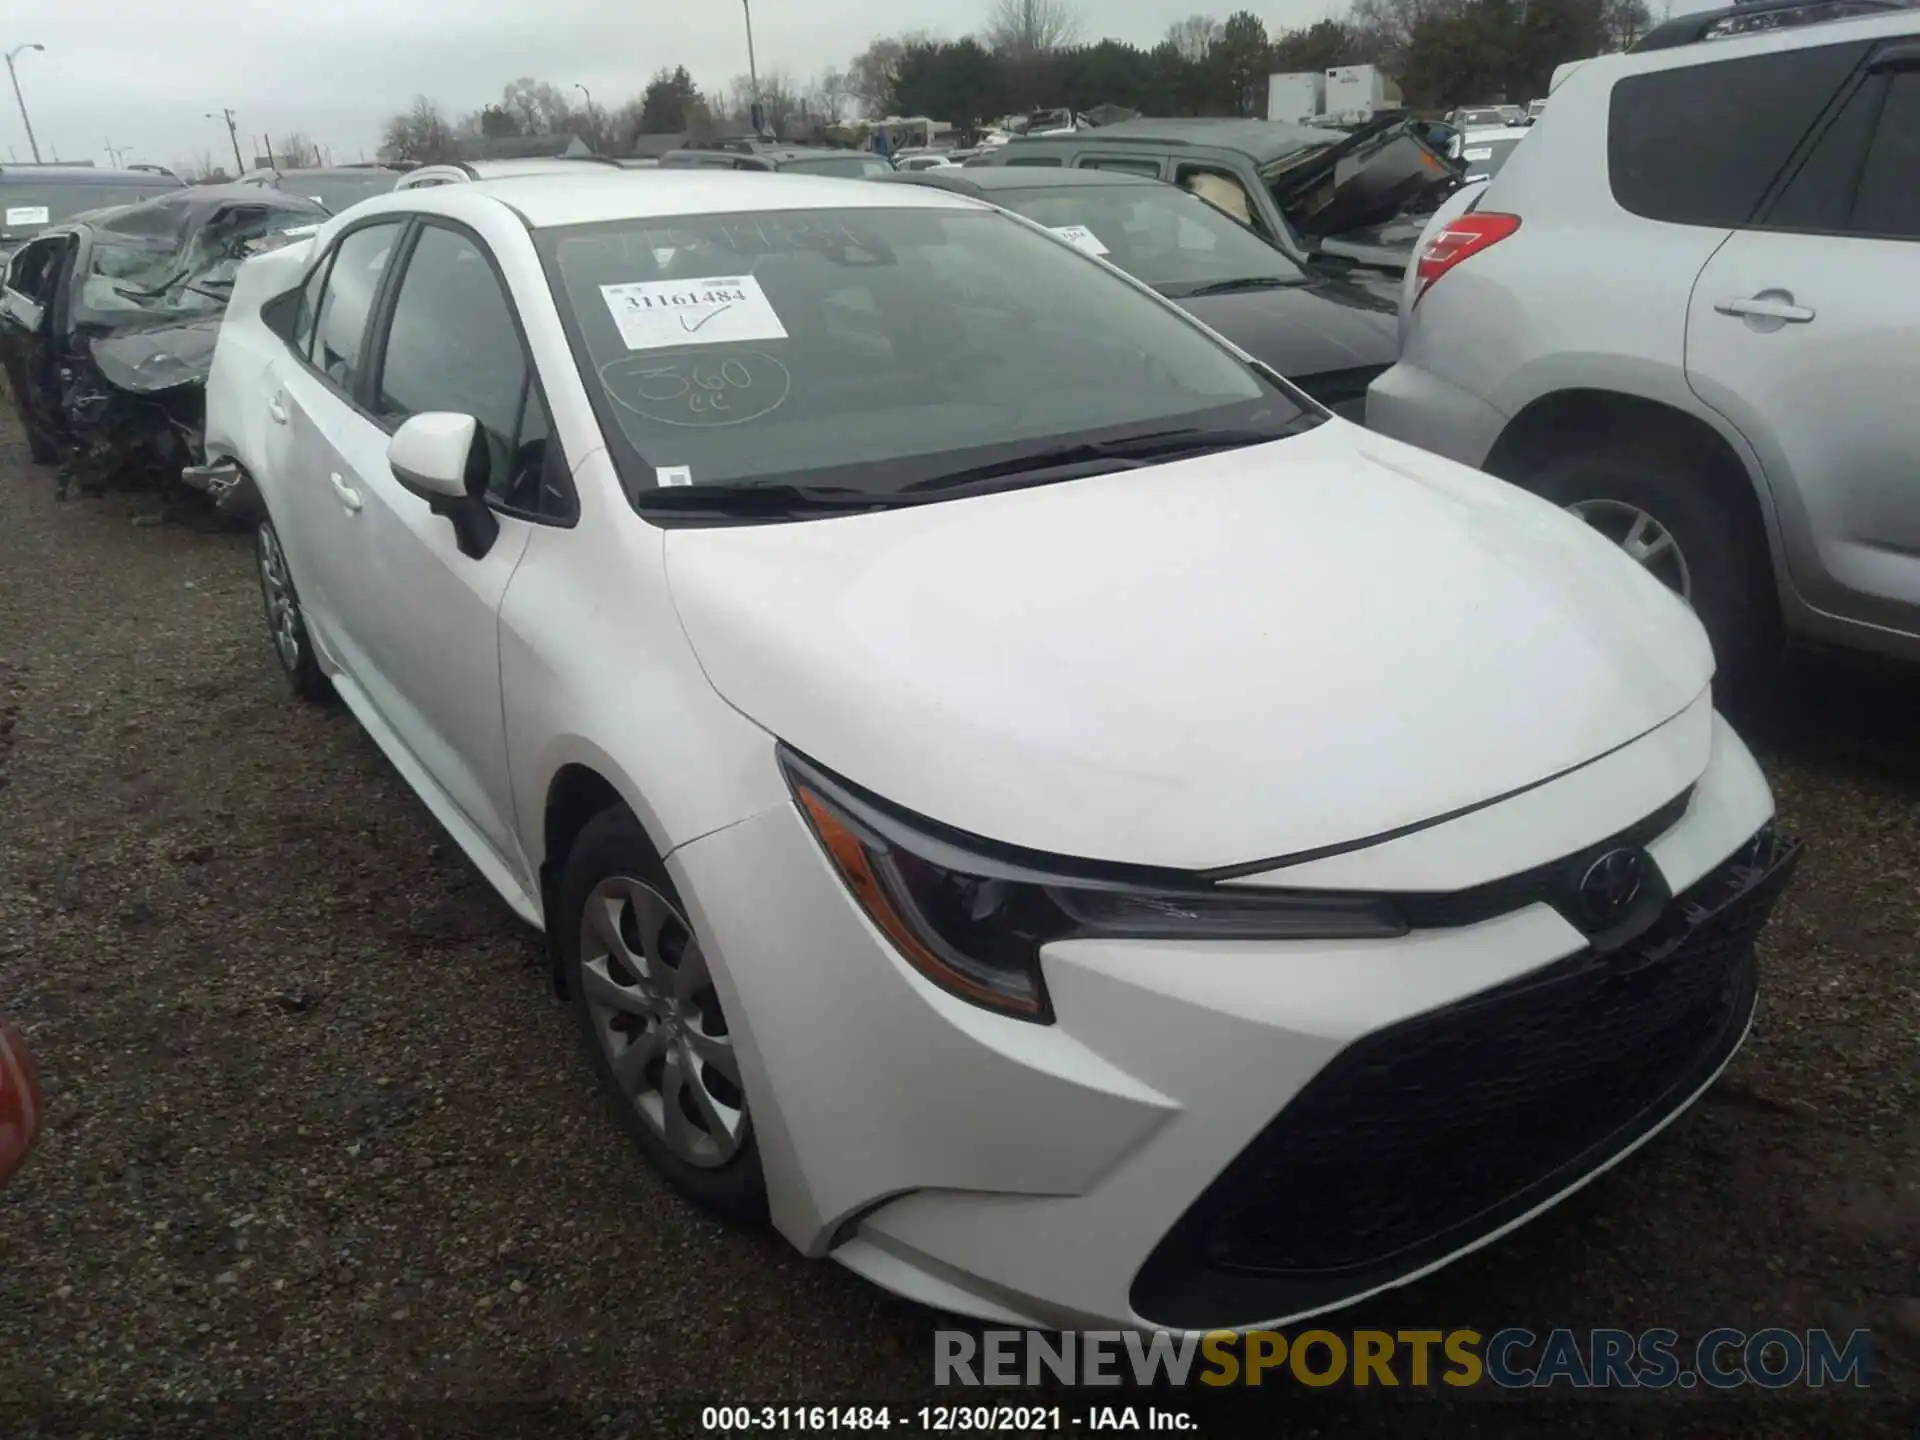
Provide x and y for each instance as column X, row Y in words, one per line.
column 1700, row 144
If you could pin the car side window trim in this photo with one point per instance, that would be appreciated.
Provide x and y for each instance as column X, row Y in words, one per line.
column 1874, row 80
column 532, row 390
column 367, row 334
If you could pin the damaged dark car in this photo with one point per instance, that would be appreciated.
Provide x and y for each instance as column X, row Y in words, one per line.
column 108, row 322
column 1343, row 204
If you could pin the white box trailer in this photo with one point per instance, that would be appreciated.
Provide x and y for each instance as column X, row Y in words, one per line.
column 1357, row 93
column 1296, row 96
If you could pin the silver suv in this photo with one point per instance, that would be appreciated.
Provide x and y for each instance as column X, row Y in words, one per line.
column 1688, row 308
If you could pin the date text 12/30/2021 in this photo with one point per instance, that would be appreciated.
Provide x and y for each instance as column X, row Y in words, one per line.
column 943, row 1419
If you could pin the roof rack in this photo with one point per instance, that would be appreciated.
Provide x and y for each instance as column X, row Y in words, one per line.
column 1757, row 16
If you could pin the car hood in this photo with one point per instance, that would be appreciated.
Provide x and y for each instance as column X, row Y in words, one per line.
column 1227, row 659
column 1334, row 332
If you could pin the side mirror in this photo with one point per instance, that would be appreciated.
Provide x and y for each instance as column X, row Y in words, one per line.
column 442, row 458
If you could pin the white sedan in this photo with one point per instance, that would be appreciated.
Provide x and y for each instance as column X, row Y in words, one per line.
column 1014, row 791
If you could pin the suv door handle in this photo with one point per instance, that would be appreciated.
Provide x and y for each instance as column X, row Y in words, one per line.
column 349, row 496
column 277, row 409
column 1768, row 305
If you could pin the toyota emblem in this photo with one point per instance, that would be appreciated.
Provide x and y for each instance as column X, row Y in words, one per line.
column 1610, row 885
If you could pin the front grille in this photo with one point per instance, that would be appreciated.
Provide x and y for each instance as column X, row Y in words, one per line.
column 1420, row 1138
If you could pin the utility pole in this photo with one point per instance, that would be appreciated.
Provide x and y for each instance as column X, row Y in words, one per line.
column 114, row 155
column 753, row 71
column 20, row 100
column 233, row 134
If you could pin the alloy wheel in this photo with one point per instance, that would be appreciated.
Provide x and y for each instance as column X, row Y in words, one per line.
column 283, row 605
column 659, row 1023
column 1646, row 542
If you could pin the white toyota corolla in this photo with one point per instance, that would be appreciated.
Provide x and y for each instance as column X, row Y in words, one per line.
column 1015, row 791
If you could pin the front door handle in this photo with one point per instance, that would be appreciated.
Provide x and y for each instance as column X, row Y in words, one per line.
column 349, row 496
column 1776, row 305
column 277, row 408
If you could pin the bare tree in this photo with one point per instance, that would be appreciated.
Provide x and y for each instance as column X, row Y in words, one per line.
column 871, row 74
column 295, row 152
column 422, row 134
column 830, row 97
column 201, row 169
column 1386, row 26
column 779, row 96
column 1024, row 29
column 1625, row 21
column 1193, row 37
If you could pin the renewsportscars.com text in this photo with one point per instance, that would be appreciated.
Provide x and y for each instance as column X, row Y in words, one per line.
column 1511, row 1359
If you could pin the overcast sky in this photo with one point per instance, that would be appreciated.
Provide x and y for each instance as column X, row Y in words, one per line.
column 143, row 74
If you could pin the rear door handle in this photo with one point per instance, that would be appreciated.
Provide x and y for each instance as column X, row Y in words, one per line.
column 1768, row 305
column 277, row 409
column 349, row 496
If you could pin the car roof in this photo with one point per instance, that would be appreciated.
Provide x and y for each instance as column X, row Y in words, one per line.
column 1785, row 15
column 994, row 178
column 615, row 194
column 86, row 175
column 345, row 171
column 1262, row 140
column 534, row 165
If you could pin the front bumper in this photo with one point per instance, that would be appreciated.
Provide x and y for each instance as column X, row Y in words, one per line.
column 1212, row 1135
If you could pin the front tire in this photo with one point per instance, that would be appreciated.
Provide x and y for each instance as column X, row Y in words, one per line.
column 1673, row 517
column 644, row 996
column 286, row 622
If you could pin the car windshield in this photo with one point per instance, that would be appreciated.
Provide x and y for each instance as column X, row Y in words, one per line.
column 28, row 206
column 1176, row 242
column 851, row 165
column 881, row 353
column 1485, row 157
column 129, row 275
column 1480, row 117
column 338, row 192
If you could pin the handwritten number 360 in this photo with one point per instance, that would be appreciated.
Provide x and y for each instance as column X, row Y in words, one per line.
column 704, row 390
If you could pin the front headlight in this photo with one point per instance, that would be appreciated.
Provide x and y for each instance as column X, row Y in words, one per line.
column 971, row 915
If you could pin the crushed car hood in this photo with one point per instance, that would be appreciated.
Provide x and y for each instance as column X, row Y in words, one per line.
column 1205, row 663
column 149, row 362
column 1378, row 172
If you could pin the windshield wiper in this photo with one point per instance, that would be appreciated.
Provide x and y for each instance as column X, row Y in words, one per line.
column 1245, row 282
column 748, row 499
column 1127, row 453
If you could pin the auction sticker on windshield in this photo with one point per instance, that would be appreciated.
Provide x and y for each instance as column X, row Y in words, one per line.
column 28, row 215
column 713, row 310
column 1081, row 238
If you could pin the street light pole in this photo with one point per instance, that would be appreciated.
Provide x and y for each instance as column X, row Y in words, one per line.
column 591, row 123
column 20, row 100
column 233, row 134
column 753, row 71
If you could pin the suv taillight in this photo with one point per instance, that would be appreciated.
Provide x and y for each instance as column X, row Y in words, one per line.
column 1458, row 240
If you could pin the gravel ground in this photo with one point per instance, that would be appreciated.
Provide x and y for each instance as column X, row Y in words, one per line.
column 324, row 1156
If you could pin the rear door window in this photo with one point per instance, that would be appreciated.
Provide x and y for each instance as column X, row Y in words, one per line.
column 1702, row 144
column 1888, row 202
column 1127, row 164
column 340, row 331
column 1862, row 176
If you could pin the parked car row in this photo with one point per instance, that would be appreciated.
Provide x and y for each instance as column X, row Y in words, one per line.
column 659, row 533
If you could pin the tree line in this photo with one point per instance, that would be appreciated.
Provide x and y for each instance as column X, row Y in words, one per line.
column 1030, row 54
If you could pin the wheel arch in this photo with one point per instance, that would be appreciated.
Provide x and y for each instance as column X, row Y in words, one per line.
column 1564, row 420
column 579, row 789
